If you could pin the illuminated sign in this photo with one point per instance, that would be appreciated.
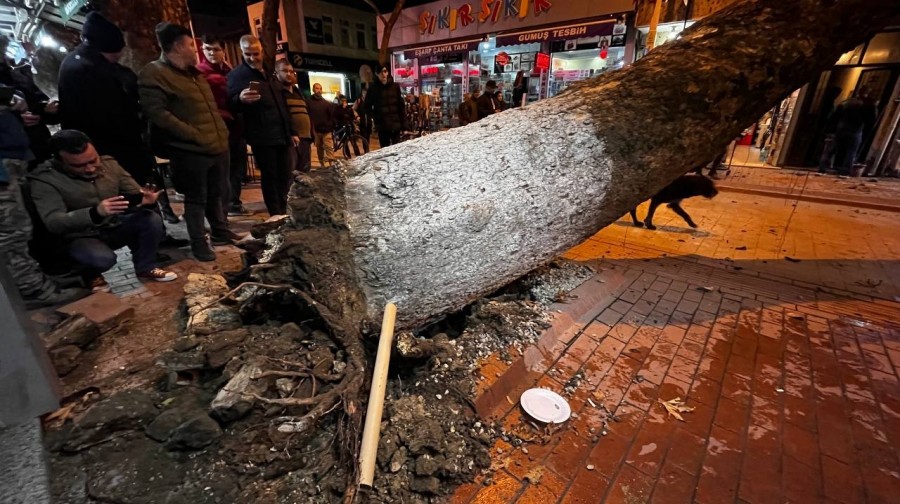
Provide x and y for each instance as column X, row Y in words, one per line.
column 451, row 18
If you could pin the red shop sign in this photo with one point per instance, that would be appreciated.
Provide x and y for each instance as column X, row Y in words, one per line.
column 542, row 61
column 502, row 58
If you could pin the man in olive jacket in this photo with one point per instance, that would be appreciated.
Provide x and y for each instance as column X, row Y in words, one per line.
column 267, row 122
column 187, row 129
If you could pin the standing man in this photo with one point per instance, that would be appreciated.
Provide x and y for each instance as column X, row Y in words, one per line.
column 384, row 103
column 847, row 126
column 301, row 124
column 365, row 121
column 216, row 70
column 100, row 98
column 322, row 113
column 41, row 110
column 488, row 103
column 188, row 130
column 266, row 120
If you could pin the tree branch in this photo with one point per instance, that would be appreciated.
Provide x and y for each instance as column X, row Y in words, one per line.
column 377, row 11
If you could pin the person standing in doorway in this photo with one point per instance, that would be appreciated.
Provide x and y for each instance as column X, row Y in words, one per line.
column 188, row 130
column 384, row 103
column 365, row 121
column 322, row 113
column 266, row 122
column 847, row 126
column 488, row 104
column 520, row 89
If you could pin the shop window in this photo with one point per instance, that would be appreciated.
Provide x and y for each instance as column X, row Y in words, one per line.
column 851, row 57
column 328, row 30
column 360, row 36
column 883, row 48
column 374, row 38
column 345, row 33
column 257, row 22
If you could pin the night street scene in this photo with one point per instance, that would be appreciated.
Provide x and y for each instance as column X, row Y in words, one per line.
column 449, row 251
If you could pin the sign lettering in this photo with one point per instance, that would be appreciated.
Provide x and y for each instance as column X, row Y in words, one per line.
column 492, row 11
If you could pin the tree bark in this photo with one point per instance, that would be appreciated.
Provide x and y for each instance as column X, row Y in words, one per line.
column 388, row 28
column 434, row 223
column 138, row 21
column 269, row 35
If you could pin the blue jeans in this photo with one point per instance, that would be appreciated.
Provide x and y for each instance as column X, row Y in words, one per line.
column 141, row 231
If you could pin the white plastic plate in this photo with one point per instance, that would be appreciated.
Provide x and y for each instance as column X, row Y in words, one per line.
column 545, row 405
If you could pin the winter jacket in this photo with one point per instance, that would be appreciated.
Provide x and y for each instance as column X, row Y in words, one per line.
column 468, row 111
column 301, row 124
column 65, row 203
column 181, row 109
column 852, row 117
column 101, row 99
column 23, row 81
column 344, row 115
column 267, row 122
column 217, row 77
column 488, row 104
column 322, row 113
column 385, row 104
column 14, row 143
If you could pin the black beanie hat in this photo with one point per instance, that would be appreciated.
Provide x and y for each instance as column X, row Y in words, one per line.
column 101, row 34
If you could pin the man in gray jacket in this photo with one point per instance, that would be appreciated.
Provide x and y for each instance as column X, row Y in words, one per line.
column 187, row 129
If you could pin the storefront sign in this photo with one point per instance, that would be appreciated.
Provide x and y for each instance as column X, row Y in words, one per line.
column 542, row 61
column 489, row 11
column 70, row 8
column 502, row 58
column 430, row 51
column 315, row 34
column 318, row 62
column 586, row 30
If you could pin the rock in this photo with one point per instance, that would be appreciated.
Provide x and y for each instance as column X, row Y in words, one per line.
column 201, row 290
column 224, row 346
column 426, row 438
column 234, row 400
column 133, row 471
column 185, row 344
column 198, row 432
column 76, row 330
column 285, row 386
column 425, row 485
column 65, row 359
column 387, row 446
column 397, row 460
column 260, row 230
column 293, row 331
column 126, row 411
column 182, row 361
column 426, row 465
column 163, row 426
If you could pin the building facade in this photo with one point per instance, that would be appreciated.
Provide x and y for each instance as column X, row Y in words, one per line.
column 327, row 43
column 448, row 48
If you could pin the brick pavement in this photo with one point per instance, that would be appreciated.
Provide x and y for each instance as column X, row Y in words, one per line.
column 795, row 402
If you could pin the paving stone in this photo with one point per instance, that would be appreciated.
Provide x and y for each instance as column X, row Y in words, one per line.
column 104, row 309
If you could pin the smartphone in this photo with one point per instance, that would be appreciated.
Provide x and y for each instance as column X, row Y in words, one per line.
column 6, row 95
column 134, row 199
column 254, row 86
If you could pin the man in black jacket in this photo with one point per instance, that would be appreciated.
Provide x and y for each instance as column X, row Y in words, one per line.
column 41, row 110
column 266, row 119
column 385, row 104
column 488, row 103
column 322, row 113
column 100, row 98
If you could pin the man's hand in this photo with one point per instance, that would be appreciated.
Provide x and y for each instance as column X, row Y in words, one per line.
column 150, row 194
column 249, row 96
column 19, row 104
column 30, row 119
column 112, row 206
column 296, row 140
column 52, row 107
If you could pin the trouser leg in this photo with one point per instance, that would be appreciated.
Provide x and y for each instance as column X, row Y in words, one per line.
column 142, row 231
column 94, row 255
column 216, row 187
column 237, row 170
column 283, row 177
column 320, row 147
column 304, row 155
column 189, row 176
column 267, row 162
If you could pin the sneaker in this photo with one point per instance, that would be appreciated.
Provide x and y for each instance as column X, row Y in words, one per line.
column 158, row 274
column 240, row 210
column 99, row 285
column 54, row 298
column 203, row 252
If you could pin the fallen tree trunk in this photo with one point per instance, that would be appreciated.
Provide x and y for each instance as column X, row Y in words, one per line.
column 434, row 223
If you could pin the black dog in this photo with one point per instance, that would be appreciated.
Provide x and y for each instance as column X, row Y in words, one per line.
column 685, row 186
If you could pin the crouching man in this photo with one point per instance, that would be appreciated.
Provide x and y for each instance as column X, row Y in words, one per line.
column 97, row 207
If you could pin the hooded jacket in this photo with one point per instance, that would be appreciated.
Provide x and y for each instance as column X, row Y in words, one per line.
column 385, row 104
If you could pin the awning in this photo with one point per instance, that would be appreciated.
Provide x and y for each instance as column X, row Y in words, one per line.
column 564, row 32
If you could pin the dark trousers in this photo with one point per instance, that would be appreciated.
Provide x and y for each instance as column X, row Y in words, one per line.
column 202, row 178
column 237, row 171
column 301, row 156
column 846, row 148
column 365, row 131
column 274, row 165
column 141, row 231
column 386, row 138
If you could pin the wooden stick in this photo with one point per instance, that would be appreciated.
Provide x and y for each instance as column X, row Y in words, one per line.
column 372, row 429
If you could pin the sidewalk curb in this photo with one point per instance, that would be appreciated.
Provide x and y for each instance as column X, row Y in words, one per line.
column 824, row 198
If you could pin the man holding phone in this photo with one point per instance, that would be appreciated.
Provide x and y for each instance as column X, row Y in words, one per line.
column 257, row 97
column 97, row 207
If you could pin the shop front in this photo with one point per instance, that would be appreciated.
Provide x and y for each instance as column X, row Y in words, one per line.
column 455, row 48
column 338, row 76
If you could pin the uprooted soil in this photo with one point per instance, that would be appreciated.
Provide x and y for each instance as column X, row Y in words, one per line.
column 165, row 443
